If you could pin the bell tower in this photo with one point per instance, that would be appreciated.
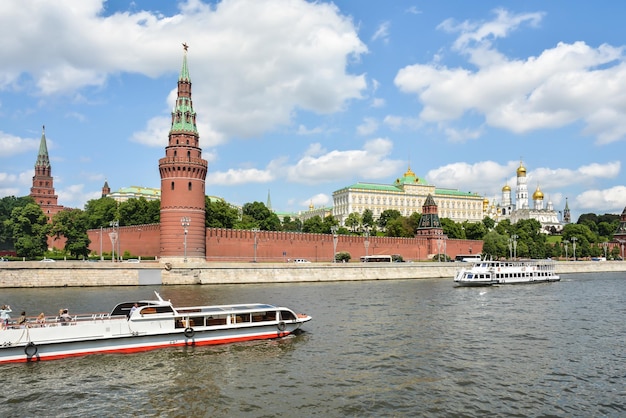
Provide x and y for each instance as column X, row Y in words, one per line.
column 183, row 174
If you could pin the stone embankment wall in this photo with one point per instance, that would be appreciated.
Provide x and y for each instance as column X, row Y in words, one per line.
column 68, row 273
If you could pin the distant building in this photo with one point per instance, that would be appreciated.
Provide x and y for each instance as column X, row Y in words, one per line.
column 406, row 195
column 520, row 209
column 43, row 182
column 132, row 192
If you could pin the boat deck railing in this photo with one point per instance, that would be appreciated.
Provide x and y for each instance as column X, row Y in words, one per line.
column 54, row 321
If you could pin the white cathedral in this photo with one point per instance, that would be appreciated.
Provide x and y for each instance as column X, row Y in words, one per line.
column 505, row 209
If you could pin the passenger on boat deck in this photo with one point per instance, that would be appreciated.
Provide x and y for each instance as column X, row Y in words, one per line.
column 133, row 309
column 4, row 315
column 65, row 316
column 41, row 319
column 21, row 321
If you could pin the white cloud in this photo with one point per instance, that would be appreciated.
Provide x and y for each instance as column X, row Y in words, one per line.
column 74, row 196
column 368, row 127
column 612, row 200
column 382, row 32
column 239, row 176
column 488, row 177
column 275, row 57
column 319, row 200
column 369, row 163
column 400, row 122
column 563, row 85
column 303, row 130
column 378, row 102
column 12, row 145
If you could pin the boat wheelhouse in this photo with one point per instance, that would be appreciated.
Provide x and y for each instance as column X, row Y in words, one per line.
column 488, row 272
column 145, row 325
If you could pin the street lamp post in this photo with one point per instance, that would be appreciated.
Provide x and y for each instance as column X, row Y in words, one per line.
column 333, row 229
column 113, row 235
column 185, row 222
column 101, row 258
column 605, row 245
column 366, row 242
column 514, row 238
column 255, row 230
column 574, row 239
column 565, row 243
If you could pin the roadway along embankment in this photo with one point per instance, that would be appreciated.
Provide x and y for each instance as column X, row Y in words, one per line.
column 76, row 274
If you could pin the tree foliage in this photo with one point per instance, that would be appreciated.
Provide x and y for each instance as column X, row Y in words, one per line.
column 386, row 216
column 29, row 227
column 139, row 212
column 220, row 214
column 257, row 214
column 101, row 212
column 72, row 224
column 7, row 204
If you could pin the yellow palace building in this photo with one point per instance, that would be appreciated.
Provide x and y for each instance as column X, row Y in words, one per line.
column 406, row 195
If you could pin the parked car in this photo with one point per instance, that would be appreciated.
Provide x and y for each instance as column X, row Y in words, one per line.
column 47, row 260
column 301, row 260
column 132, row 260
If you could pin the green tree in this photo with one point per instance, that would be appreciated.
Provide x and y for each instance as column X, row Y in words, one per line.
column 386, row 216
column 353, row 221
column 7, row 204
column 474, row 230
column 488, row 223
column 265, row 219
column 29, row 230
column 292, row 225
column 495, row 245
column 219, row 214
column 327, row 223
column 314, row 225
column 414, row 221
column 399, row 227
column 100, row 212
column 139, row 212
column 452, row 229
column 72, row 224
column 368, row 219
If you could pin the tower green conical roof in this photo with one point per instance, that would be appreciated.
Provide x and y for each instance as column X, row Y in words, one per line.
column 42, row 158
column 184, row 72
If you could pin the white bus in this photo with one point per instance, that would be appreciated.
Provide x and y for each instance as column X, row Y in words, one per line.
column 468, row 258
column 376, row 259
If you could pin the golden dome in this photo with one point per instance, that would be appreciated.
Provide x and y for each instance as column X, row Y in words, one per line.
column 521, row 171
column 486, row 201
column 506, row 188
column 538, row 195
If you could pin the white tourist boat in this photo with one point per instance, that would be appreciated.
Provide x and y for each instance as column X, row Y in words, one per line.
column 487, row 272
column 152, row 324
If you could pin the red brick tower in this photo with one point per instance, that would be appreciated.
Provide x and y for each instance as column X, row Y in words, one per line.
column 430, row 227
column 183, row 174
column 43, row 183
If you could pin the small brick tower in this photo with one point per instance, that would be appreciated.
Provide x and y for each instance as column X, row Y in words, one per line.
column 183, row 174
column 43, row 182
column 430, row 227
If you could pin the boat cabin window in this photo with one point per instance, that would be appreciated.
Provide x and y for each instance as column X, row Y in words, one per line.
column 287, row 316
column 263, row 316
column 239, row 318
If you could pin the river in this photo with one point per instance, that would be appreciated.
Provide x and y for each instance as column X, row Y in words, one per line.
column 378, row 348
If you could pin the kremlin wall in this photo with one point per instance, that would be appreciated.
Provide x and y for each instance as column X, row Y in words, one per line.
column 234, row 245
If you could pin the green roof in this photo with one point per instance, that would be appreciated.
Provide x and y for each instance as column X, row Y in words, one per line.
column 375, row 187
column 454, row 192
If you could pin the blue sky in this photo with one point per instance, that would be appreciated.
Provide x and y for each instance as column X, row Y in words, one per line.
column 298, row 99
